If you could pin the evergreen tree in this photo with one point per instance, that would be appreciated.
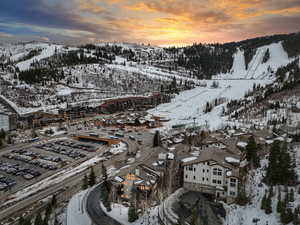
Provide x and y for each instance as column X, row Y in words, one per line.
column 27, row 222
column 38, row 219
column 280, row 170
column 54, row 202
column 263, row 202
column 92, row 177
column 279, row 207
column 268, row 208
column 104, row 172
column 251, row 152
column 47, row 214
column 21, row 220
column 296, row 219
column 105, row 197
column 242, row 198
column 156, row 139
column 291, row 196
column 2, row 133
column 85, row 182
column 194, row 216
column 132, row 215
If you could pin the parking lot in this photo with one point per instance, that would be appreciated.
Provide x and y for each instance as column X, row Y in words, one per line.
column 24, row 166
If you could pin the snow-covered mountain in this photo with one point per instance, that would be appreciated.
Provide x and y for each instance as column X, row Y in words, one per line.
column 45, row 76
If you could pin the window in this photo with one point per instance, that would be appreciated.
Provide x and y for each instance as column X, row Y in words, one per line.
column 207, row 170
column 232, row 193
column 232, row 182
column 219, row 182
column 203, row 179
column 186, row 176
column 190, row 167
column 206, row 179
column 194, row 169
column 214, row 181
column 203, row 171
column 215, row 171
column 219, row 172
column 194, row 178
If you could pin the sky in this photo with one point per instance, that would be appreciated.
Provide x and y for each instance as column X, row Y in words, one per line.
column 158, row 22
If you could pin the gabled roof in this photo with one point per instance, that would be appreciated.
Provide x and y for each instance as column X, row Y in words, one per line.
column 216, row 155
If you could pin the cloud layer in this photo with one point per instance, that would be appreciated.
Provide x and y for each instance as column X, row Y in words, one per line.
column 149, row 21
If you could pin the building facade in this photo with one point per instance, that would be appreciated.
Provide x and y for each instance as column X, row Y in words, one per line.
column 212, row 176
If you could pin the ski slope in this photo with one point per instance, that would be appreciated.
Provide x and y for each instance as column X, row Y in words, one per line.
column 256, row 68
column 48, row 50
column 188, row 107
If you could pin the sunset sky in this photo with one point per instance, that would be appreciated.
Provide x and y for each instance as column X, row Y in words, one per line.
column 158, row 22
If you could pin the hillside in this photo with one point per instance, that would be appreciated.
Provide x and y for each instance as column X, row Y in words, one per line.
column 44, row 76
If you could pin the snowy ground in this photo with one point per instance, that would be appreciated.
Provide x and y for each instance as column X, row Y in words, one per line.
column 244, row 215
column 48, row 50
column 120, row 213
column 190, row 104
column 76, row 212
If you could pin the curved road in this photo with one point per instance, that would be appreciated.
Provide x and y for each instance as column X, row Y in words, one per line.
column 95, row 211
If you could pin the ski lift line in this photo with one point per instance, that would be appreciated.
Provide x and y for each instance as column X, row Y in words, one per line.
column 259, row 62
column 250, row 67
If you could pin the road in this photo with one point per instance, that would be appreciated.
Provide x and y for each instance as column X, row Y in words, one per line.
column 94, row 209
column 26, row 203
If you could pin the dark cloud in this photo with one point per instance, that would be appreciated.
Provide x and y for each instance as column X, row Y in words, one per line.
column 39, row 13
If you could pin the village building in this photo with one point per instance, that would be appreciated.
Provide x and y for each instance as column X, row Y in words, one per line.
column 214, row 172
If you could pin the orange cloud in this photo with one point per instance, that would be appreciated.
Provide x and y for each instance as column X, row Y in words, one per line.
column 90, row 6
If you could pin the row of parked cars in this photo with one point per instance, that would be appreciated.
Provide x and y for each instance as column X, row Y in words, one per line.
column 53, row 147
column 18, row 170
column 56, row 159
column 6, row 182
column 79, row 146
column 33, row 161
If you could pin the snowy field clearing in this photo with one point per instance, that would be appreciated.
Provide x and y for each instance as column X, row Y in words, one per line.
column 48, row 50
column 190, row 104
column 120, row 213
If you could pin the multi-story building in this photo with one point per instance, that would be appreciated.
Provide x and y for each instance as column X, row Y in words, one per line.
column 214, row 172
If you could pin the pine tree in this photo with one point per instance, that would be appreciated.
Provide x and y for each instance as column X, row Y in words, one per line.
column 54, row 202
column 279, row 207
column 21, row 220
column 263, row 202
column 251, row 152
column 296, row 219
column 47, row 214
column 85, row 182
column 280, row 170
column 268, row 208
column 2, row 133
column 92, row 177
column 38, row 219
column 194, row 216
column 292, row 196
column 156, row 139
column 104, row 172
column 132, row 215
column 105, row 197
